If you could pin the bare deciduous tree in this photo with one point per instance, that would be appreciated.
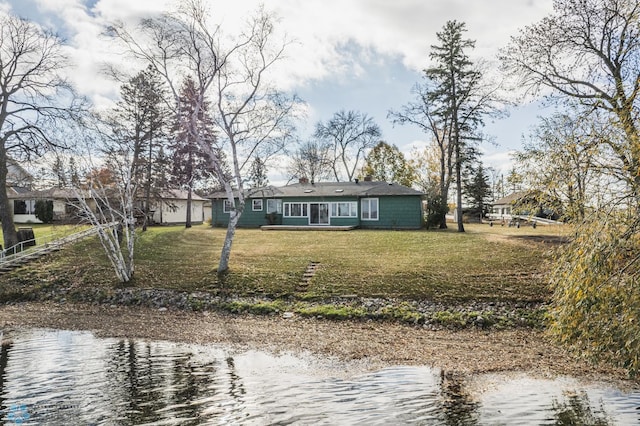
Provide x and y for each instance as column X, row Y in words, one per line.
column 105, row 197
column 34, row 99
column 350, row 134
column 588, row 51
column 251, row 116
column 312, row 160
column 422, row 113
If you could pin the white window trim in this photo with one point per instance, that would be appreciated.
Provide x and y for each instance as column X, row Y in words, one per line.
column 353, row 209
column 253, row 204
column 369, row 200
column 226, row 206
column 286, row 208
column 278, row 203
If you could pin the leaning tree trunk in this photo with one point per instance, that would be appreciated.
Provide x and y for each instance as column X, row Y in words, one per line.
column 9, row 233
column 223, row 265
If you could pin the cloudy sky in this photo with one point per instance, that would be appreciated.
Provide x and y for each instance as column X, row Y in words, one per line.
column 362, row 55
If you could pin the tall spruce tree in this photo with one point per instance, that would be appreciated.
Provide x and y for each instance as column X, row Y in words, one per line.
column 477, row 189
column 257, row 177
column 139, row 120
column 190, row 163
column 450, row 105
column 455, row 82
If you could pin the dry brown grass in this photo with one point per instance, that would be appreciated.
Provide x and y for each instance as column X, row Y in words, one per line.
column 485, row 263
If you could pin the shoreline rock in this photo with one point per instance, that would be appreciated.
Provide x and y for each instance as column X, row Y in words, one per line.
column 433, row 315
column 379, row 344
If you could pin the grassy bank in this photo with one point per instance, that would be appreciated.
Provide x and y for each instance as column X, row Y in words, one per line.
column 46, row 232
column 484, row 265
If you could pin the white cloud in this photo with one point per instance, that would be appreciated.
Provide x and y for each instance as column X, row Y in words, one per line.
column 128, row 11
column 336, row 43
column 405, row 28
column 418, row 145
column 323, row 31
column 500, row 162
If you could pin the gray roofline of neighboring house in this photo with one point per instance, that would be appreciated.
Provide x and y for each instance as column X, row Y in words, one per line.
column 509, row 199
column 13, row 163
column 51, row 193
column 67, row 194
column 179, row 194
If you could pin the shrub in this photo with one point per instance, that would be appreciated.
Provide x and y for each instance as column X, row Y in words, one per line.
column 436, row 209
column 44, row 210
column 596, row 303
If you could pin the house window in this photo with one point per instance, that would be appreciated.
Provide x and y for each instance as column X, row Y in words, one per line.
column 369, row 208
column 226, row 206
column 257, row 205
column 274, row 206
column 295, row 210
column 344, row 209
column 24, row 206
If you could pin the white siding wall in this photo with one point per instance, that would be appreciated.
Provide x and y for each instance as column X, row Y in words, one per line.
column 176, row 211
column 26, row 218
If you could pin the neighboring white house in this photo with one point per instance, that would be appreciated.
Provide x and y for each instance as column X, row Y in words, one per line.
column 207, row 211
column 502, row 208
column 24, row 203
column 172, row 207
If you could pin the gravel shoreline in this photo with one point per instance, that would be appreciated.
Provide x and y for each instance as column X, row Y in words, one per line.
column 376, row 343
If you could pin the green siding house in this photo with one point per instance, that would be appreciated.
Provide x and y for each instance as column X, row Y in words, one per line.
column 361, row 204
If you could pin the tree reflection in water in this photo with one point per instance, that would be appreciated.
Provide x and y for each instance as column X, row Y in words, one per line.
column 5, row 348
column 458, row 405
column 576, row 410
column 65, row 377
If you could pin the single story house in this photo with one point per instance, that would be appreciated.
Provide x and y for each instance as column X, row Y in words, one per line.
column 24, row 203
column 503, row 207
column 170, row 208
column 363, row 204
column 526, row 203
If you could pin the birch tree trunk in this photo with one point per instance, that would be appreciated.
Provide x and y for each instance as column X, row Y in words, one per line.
column 225, row 255
column 251, row 116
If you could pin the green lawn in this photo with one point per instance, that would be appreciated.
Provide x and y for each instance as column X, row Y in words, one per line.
column 485, row 263
column 46, row 232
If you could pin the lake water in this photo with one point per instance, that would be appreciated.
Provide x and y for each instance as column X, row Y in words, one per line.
column 68, row 378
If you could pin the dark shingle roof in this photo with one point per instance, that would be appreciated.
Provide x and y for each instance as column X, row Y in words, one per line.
column 328, row 189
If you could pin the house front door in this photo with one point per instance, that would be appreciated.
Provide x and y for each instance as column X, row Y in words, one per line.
column 318, row 213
